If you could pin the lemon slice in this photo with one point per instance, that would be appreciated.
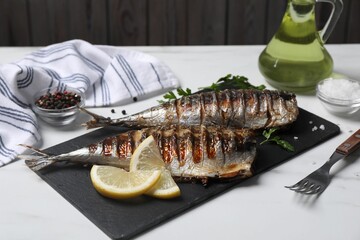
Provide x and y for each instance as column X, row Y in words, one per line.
column 117, row 183
column 147, row 157
column 165, row 188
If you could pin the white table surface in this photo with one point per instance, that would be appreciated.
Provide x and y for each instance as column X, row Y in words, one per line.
column 260, row 209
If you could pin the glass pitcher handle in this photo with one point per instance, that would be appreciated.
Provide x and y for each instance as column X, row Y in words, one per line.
column 337, row 6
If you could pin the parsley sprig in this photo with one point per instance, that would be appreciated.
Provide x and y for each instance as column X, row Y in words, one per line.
column 227, row 82
column 172, row 96
column 276, row 139
column 233, row 82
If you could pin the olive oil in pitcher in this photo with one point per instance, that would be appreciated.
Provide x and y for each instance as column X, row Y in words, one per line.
column 295, row 59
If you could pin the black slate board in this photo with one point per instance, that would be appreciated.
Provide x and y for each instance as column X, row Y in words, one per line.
column 126, row 219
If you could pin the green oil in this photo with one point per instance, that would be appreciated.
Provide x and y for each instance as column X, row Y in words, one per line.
column 295, row 59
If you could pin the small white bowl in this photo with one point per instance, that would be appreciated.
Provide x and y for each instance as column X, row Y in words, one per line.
column 339, row 96
column 58, row 117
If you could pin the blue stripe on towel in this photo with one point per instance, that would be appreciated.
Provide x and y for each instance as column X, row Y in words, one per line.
column 59, row 48
column 157, row 75
column 18, row 115
column 21, row 128
column 102, row 91
column 5, row 90
column 122, row 79
column 130, row 74
column 76, row 77
column 52, row 75
column 27, row 80
column 6, row 152
column 46, row 52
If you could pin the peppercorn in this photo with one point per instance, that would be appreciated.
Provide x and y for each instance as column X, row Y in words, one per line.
column 112, row 110
column 123, row 112
column 58, row 100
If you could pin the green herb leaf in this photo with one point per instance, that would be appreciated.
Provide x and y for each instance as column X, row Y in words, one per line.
column 170, row 95
column 267, row 133
column 183, row 92
column 276, row 139
column 286, row 145
column 213, row 87
column 233, row 82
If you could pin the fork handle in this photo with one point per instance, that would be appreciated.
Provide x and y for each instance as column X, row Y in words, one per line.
column 350, row 144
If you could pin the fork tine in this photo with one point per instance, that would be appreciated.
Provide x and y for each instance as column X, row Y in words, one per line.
column 319, row 189
column 296, row 185
column 300, row 185
column 306, row 188
column 314, row 190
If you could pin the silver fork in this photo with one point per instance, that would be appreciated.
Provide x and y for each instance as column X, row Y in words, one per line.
column 317, row 181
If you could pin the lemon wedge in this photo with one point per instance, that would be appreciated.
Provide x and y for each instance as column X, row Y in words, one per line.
column 147, row 157
column 117, row 183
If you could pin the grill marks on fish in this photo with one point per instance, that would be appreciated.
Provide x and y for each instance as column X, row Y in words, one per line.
column 199, row 152
column 239, row 109
column 188, row 152
column 121, row 146
column 252, row 109
column 206, row 151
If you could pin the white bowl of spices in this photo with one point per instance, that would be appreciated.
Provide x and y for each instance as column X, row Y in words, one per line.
column 339, row 96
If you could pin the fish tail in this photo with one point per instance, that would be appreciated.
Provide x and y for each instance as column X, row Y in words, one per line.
column 36, row 162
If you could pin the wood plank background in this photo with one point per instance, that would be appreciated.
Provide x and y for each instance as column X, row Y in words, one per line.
column 157, row 22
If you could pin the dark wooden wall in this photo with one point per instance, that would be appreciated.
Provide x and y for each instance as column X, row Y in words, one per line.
column 157, row 22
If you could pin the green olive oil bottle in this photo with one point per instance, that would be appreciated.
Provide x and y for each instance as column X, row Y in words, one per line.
column 295, row 59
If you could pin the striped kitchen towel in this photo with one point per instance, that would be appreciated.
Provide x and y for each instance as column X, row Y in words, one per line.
column 108, row 75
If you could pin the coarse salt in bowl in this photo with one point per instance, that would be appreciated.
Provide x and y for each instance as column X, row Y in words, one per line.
column 339, row 96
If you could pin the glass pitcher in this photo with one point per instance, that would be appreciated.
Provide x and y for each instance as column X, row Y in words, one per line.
column 295, row 59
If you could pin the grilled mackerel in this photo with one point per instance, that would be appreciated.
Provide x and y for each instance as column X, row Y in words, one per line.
column 196, row 152
column 251, row 109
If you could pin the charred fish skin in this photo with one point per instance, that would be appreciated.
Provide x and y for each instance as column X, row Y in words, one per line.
column 196, row 152
column 211, row 152
column 253, row 109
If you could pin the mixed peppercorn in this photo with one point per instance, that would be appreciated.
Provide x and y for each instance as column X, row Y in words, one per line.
column 58, row 100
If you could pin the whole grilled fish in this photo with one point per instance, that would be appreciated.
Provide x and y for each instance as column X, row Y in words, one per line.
column 196, row 152
column 248, row 108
